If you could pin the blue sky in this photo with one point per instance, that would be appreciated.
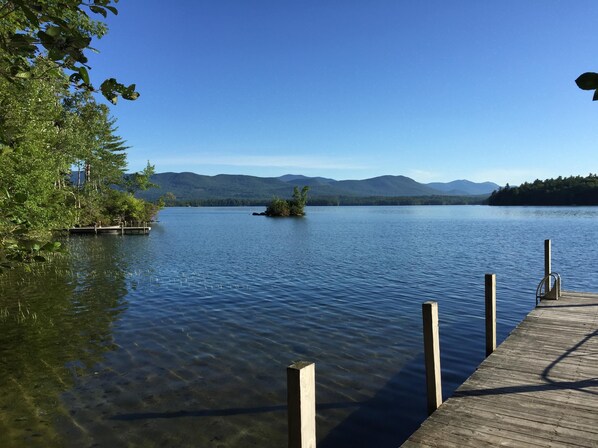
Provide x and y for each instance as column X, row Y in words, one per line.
column 434, row 90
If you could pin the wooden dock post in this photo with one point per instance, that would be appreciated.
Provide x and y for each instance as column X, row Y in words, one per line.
column 432, row 355
column 301, row 404
column 547, row 263
column 490, row 293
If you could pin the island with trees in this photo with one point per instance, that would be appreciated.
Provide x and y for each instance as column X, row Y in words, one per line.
column 288, row 207
column 573, row 190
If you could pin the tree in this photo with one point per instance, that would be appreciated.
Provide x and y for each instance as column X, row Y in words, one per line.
column 46, row 128
column 293, row 207
column 141, row 181
column 573, row 190
column 278, row 207
column 59, row 31
column 50, row 123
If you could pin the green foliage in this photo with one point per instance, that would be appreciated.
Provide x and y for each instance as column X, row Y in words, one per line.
column 18, row 244
column 168, row 199
column 140, row 181
column 292, row 207
column 278, row 207
column 46, row 129
column 573, row 190
column 123, row 206
column 298, row 202
column 59, row 31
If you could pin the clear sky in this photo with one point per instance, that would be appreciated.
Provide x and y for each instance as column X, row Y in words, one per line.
column 435, row 90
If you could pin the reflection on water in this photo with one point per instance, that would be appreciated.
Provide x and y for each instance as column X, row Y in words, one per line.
column 182, row 338
column 56, row 326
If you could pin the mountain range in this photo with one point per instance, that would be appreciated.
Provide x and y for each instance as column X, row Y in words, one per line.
column 191, row 186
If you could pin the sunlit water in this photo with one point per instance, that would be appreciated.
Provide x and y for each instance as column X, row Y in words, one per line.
column 181, row 338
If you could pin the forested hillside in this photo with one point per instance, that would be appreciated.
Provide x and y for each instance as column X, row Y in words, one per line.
column 574, row 190
column 184, row 188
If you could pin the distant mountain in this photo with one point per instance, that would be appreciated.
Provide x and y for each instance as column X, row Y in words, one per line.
column 188, row 186
column 191, row 186
column 464, row 187
column 304, row 180
column 386, row 186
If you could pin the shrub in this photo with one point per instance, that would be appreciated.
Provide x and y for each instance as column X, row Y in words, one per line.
column 293, row 207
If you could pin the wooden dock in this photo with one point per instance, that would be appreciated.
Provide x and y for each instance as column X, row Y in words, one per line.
column 111, row 230
column 539, row 388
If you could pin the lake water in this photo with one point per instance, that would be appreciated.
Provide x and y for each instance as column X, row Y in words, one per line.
column 182, row 338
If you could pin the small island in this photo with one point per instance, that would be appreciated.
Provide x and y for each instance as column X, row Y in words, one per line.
column 288, row 207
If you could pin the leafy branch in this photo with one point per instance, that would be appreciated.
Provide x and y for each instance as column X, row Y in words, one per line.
column 59, row 30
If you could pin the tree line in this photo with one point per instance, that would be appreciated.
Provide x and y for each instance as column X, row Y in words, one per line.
column 51, row 126
column 573, row 190
column 170, row 201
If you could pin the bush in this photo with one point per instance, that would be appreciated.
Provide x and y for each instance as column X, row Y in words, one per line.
column 278, row 207
column 292, row 207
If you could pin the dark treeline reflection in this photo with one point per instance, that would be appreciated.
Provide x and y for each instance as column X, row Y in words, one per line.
column 55, row 325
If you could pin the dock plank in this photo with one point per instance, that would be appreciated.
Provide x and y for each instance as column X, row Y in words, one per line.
column 539, row 388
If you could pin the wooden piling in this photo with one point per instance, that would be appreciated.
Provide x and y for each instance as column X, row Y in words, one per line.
column 547, row 257
column 490, row 293
column 301, row 404
column 432, row 355
column 547, row 263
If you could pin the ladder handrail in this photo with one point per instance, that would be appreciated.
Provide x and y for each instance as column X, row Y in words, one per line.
column 553, row 293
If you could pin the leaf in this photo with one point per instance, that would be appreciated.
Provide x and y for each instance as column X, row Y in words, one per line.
column 80, row 41
column 21, row 41
column 595, row 97
column 129, row 93
column 587, row 81
column 51, row 246
column 112, row 9
column 39, row 258
column 108, row 90
column 75, row 78
column 56, row 55
column 84, row 74
column 45, row 38
column 53, row 31
column 23, row 75
column 31, row 16
column 98, row 10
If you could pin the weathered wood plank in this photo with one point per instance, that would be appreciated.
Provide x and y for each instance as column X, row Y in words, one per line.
column 538, row 388
column 542, row 411
column 476, row 411
column 506, row 427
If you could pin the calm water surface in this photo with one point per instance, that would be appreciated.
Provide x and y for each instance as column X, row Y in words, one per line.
column 182, row 338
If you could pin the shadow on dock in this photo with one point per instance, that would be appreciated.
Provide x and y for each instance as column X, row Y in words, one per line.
column 550, row 384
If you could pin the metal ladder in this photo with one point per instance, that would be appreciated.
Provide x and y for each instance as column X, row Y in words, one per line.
column 545, row 292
